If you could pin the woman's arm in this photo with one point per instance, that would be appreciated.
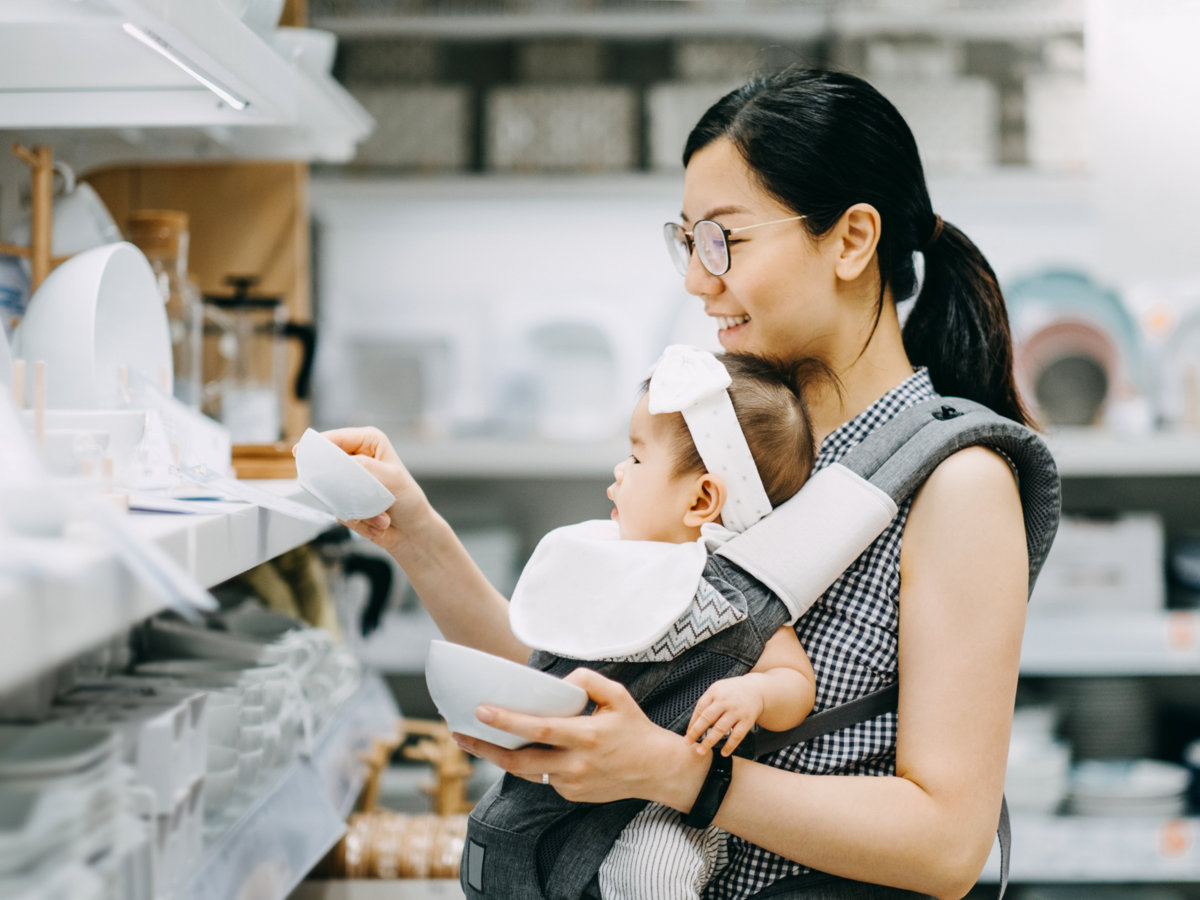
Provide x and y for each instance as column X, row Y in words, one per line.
column 463, row 603
column 929, row 829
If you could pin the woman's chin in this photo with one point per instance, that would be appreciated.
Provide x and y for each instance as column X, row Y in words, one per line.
column 736, row 339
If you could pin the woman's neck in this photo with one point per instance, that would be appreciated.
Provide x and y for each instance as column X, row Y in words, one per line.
column 864, row 375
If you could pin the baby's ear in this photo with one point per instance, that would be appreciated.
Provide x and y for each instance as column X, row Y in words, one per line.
column 707, row 500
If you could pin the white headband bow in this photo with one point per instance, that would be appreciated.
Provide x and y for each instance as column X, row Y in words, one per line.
column 693, row 382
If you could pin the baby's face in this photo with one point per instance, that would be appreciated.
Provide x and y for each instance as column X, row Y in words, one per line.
column 650, row 502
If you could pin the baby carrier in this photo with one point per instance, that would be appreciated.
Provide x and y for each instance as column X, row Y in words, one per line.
column 525, row 842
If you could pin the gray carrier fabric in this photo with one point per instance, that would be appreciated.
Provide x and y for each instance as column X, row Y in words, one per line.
column 524, row 842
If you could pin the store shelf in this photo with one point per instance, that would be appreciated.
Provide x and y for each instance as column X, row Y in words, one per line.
column 1090, row 453
column 1080, row 453
column 1135, row 643
column 806, row 22
column 1083, row 849
column 80, row 595
column 302, row 814
column 215, row 88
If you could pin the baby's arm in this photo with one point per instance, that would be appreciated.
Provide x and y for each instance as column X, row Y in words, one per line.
column 777, row 694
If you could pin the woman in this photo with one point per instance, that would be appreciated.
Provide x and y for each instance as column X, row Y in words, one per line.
column 817, row 185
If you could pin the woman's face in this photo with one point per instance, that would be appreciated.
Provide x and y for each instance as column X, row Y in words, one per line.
column 779, row 296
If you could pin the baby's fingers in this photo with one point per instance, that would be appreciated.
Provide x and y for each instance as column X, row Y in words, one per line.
column 720, row 728
column 702, row 719
column 736, row 734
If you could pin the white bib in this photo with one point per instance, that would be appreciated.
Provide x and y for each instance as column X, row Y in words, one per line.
column 587, row 594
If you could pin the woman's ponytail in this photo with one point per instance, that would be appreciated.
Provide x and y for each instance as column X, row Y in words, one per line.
column 820, row 142
column 958, row 327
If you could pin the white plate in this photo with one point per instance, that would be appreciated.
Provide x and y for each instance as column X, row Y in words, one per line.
column 40, row 751
column 96, row 312
column 461, row 679
column 332, row 476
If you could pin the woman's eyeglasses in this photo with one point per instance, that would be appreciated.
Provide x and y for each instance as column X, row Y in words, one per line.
column 709, row 239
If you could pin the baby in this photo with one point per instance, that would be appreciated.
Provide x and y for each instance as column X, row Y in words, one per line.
column 715, row 444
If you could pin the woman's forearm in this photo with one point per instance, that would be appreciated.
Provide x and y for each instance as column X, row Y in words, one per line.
column 885, row 830
column 463, row 603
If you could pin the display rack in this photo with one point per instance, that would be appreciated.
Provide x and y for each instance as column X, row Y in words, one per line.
column 85, row 597
column 302, row 814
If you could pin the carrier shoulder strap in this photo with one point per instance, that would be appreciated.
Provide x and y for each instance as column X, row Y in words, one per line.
column 895, row 459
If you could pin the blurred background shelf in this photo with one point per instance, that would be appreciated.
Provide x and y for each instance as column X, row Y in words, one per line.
column 1084, row 849
column 1131, row 644
column 1080, row 453
column 661, row 19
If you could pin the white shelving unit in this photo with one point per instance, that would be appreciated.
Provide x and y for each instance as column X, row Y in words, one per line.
column 138, row 80
column 86, row 597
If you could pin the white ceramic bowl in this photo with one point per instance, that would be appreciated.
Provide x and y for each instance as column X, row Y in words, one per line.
column 332, row 476
column 461, row 679
column 96, row 312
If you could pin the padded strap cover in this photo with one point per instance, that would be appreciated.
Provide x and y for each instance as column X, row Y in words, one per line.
column 805, row 545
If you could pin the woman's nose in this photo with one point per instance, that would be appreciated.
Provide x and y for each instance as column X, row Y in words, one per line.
column 699, row 281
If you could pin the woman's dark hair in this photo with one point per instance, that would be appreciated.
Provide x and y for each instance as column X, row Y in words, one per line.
column 768, row 399
column 820, row 142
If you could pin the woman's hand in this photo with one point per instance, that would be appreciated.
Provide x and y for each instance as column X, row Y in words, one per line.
column 614, row 754
column 373, row 451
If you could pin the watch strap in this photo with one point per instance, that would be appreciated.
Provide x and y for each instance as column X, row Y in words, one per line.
column 712, row 792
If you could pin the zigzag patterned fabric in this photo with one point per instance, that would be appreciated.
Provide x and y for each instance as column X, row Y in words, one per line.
column 708, row 614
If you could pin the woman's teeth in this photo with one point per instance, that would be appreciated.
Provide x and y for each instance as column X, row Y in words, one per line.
column 724, row 322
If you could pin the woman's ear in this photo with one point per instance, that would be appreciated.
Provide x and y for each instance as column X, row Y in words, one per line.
column 857, row 236
column 708, row 499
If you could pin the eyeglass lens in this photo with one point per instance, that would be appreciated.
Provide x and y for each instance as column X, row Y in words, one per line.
column 677, row 246
column 709, row 241
column 711, row 245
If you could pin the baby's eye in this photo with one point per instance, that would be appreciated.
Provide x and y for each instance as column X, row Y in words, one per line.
column 634, row 458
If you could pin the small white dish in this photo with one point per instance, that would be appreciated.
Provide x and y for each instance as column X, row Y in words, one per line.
column 47, row 751
column 461, row 679
column 331, row 475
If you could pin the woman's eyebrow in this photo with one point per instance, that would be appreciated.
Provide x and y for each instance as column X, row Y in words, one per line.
column 719, row 211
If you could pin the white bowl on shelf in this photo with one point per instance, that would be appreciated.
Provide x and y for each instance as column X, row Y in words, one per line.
column 332, row 476
column 461, row 679
column 96, row 312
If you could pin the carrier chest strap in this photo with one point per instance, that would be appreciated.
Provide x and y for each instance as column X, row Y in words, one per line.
column 863, row 709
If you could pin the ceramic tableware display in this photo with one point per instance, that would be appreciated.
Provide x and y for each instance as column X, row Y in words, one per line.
column 97, row 313
column 1129, row 788
column 332, row 476
column 461, row 679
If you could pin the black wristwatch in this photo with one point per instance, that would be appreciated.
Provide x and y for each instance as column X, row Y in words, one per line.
column 708, row 801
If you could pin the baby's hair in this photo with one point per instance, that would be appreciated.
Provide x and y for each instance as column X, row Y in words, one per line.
column 767, row 395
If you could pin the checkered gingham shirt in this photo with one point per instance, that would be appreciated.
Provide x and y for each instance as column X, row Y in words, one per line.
column 851, row 635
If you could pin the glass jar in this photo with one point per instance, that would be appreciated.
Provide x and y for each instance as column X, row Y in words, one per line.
column 162, row 234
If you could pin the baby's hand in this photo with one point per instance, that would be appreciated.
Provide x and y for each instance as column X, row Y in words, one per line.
column 731, row 706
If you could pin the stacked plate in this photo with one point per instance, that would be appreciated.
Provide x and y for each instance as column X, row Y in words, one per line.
column 1133, row 788
column 62, row 798
column 1039, row 766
